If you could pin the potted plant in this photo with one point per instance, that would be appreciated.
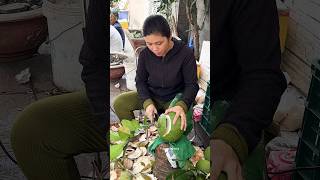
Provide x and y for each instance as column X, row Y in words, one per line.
column 135, row 37
column 116, row 65
column 23, row 28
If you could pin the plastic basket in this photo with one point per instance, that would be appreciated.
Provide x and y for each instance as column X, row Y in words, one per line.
column 308, row 153
column 314, row 90
column 206, row 122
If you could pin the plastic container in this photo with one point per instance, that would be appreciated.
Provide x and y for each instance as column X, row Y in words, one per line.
column 65, row 49
column 308, row 153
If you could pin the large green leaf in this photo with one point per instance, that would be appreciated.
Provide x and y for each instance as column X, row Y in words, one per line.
column 116, row 150
column 114, row 137
column 124, row 133
column 133, row 125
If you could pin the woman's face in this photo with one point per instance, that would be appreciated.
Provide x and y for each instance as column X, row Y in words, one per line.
column 158, row 44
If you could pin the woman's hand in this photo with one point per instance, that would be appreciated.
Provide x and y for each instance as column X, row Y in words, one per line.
column 179, row 112
column 150, row 112
column 224, row 159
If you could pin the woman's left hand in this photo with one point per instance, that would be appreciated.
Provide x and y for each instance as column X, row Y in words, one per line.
column 179, row 112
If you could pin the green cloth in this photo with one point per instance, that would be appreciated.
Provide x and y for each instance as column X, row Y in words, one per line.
column 182, row 149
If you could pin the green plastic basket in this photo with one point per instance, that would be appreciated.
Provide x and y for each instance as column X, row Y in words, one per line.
column 308, row 153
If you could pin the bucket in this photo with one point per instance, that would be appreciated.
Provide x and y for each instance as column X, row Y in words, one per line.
column 65, row 46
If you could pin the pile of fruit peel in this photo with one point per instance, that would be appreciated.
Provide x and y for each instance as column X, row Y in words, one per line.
column 129, row 158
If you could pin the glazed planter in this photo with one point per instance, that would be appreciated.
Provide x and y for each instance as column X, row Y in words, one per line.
column 135, row 41
column 117, row 69
column 21, row 34
column 116, row 72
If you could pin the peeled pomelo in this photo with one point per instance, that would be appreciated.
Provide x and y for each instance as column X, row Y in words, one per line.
column 207, row 153
column 203, row 165
column 168, row 131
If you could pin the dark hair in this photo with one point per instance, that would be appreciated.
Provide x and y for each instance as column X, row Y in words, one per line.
column 156, row 24
column 115, row 12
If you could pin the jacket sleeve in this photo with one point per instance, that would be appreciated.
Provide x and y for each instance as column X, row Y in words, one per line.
column 191, row 87
column 142, row 80
column 255, row 36
column 93, row 57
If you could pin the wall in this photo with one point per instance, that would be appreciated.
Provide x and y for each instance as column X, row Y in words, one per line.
column 303, row 41
column 139, row 10
column 204, row 34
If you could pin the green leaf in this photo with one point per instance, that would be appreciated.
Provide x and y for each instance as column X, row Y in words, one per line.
column 133, row 125
column 116, row 150
column 124, row 133
column 175, row 174
column 114, row 136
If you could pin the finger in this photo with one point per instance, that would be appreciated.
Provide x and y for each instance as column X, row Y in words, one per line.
column 168, row 110
column 155, row 111
column 151, row 118
column 175, row 118
column 216, row 170
column 232, row 172
column 184, row 121
column 239, row 173
column 216, row 162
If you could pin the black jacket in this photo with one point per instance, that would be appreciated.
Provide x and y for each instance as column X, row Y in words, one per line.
column 93, row 57
column 246, row 64
column 163, row 78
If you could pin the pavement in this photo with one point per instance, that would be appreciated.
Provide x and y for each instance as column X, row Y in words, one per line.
column 14, row 97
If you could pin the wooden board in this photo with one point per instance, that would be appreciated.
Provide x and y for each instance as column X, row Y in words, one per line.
column 303, row 41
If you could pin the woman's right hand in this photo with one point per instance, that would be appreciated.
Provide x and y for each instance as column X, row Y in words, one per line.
column 150, row 112
column 224, row 159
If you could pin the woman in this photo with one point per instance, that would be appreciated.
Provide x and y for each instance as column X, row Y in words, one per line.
column 165, row 68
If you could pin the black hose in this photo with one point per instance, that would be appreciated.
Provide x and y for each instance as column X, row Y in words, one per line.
column 7, row 153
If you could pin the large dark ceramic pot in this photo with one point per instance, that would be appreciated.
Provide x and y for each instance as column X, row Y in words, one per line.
column 21, row 34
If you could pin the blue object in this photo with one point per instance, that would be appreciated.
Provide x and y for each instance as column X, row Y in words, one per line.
column 190, row 42
column 123, row 14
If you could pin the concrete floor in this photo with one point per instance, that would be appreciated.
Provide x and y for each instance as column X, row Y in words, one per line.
column 15, row 97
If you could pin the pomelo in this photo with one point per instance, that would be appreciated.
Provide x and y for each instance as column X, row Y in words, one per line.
column 207, row 153
column 203, row 165
column 168, row 131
